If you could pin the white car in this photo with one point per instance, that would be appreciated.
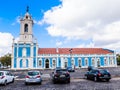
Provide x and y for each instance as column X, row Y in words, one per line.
column 33, row 77
column 6, row 77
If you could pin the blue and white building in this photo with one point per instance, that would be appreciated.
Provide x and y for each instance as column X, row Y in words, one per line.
column 26, row 53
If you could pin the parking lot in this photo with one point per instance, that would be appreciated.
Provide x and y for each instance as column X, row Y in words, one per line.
column 77, row 82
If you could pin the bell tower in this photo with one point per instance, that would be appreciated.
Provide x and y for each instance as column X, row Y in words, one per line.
column 25, row 51
column 26, row 24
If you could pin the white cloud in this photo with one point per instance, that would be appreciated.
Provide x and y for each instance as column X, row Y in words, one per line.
column 85, row 19
column 17, row 20
column 5, row 43
column 58, row 43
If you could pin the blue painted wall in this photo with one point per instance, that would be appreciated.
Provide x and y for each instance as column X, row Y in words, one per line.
column 34, row 51
column 15, row 52
column 28, row 51
column 34, row 62
column 21, row 62
column 69, row 62
column 27, row 63
column 20, row 51
column 50, row 62
column 15, row 62
column 102, row 61
column 83, row 62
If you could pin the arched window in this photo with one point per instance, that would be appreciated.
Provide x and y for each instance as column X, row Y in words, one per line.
column 66, row 63
column 105, row 61
column 79, row 62
column 93, row 62
column 40, row 63
column 86, row 61
column 111, row 61
column 98, row 62
column 26, row 28
column 54, row 63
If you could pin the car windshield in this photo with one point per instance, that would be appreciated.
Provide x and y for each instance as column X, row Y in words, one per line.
column 33, row 73
column 61, row 70
column 1, row 73
column 103, row 71
column 69, row 67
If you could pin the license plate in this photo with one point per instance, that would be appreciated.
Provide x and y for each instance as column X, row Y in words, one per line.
column 105, row 75
column 62, row 76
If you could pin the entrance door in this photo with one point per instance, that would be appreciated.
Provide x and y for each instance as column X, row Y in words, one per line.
column 47, row 63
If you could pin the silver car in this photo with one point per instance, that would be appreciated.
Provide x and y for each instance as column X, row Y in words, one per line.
column 33, row 77
column 6, row 77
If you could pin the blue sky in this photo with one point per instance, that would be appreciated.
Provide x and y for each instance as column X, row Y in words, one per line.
column 63, row 23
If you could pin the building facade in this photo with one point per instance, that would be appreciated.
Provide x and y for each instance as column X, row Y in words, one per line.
column 27, row 55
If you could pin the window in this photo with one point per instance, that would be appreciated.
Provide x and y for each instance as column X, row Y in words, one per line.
column 40, row 62
column 65, row 63
column 93, row 61
column 79, row 62
column 54, row 63
column 86, row 61
column 111, row 60
column 26, row 28
column 105, row 61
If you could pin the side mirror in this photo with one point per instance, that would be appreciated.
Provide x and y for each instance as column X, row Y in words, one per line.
column 87, row 72
column 52, row 72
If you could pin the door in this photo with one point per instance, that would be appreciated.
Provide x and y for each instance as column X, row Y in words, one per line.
column 47, row 63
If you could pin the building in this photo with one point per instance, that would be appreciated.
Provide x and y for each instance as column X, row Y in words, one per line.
column 27, row 55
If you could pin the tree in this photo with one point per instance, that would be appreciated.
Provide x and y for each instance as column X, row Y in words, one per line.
column 118, row 59
column 6, row 60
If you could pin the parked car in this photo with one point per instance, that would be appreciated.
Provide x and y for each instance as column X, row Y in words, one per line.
column 60, row 75
column 33, row 77
column 91, row 68
column 98, row 74
column 6, row 77
column 70, row 69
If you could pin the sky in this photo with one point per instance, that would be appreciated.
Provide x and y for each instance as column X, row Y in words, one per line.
column 63, row 23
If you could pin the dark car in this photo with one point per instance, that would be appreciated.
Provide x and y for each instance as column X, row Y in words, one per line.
column 98, row 74
column 70, row 69
column 60, row 75
column 91, row 68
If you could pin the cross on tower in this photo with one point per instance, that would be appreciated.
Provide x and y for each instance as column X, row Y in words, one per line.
column 27, row 10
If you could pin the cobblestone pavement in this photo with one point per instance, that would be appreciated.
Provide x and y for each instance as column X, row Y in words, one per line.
column 77, row 82
column 80, row 84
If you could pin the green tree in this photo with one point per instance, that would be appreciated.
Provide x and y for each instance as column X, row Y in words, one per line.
column 6, row 60
column 118, row 59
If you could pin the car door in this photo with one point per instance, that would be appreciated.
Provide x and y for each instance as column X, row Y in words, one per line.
column 11, row 77
column 89, row 74
column 7, row 77
column 92, row 74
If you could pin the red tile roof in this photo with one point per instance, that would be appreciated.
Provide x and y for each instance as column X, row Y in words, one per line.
column 74, row 51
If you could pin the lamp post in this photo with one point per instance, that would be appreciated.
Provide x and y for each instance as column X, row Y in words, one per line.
column 71, row 55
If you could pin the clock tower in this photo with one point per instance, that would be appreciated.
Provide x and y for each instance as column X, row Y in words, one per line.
column 25, row 51
column 26, row 35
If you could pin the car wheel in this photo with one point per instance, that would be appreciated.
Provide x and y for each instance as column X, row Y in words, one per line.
column 107, row 80
column 54, row 82
column 12, row 81
column 40, row 83
column 26, row 83
column 95, row 79
column 68, row 81
column 5, row 83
